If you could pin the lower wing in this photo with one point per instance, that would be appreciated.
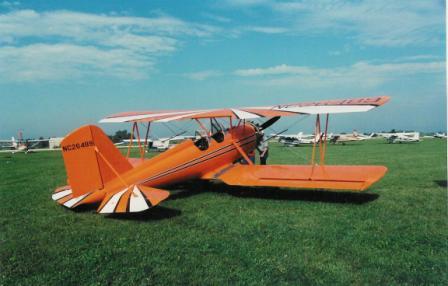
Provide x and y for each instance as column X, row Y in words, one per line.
column 354, row 178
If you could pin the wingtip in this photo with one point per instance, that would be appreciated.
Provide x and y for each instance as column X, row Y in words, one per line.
column 383, row 99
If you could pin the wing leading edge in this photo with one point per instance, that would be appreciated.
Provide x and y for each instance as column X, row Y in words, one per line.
column 317, row 107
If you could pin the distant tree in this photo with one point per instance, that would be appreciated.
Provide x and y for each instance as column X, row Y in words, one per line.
column 120, row 135
column 393, row 131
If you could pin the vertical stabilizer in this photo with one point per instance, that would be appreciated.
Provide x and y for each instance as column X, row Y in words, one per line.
column 91, row 159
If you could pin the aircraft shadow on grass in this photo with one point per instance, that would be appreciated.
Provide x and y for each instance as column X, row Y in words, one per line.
column 441, row 183
column 191, row 189
column 195, row 188
column 155, row 213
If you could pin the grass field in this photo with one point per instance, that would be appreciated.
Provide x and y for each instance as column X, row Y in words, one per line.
column 396, row 233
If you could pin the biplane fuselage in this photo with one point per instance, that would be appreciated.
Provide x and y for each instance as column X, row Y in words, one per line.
column 185, row 161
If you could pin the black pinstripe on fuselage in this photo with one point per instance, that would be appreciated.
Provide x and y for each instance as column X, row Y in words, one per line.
column 218, row 152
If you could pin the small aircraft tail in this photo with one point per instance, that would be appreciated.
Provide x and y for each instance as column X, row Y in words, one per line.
column 91, row 160
column 14, row 142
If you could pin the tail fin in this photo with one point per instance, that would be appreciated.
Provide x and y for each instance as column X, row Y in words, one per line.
column 13, row 141
column 91, row 160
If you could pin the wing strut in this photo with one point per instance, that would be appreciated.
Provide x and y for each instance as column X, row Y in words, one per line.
column 147, row 134
column 130, row 142
column 316, row 136
column 322, row 156
column 320, row 139
column 140, row 147
column 241, row 151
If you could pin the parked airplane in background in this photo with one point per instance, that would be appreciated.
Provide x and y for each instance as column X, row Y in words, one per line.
column 344, row 138
column 297, row 139
column 166, row 143
column 401, row 137
column 8, row 144
column 21, row 145
column 12, row 146
column 440, row 135
column 160, row 144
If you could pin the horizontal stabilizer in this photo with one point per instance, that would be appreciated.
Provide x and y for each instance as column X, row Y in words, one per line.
column 355, row 178
column 136, row 198
column 64, row 196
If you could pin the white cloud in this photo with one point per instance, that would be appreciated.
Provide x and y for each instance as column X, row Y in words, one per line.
column 266, row 29
column 82, row 42
column 75, row 24
column 276, row 70
column 246, row 2
column 64, row 61
column 9, row 4
column 217, row 18
column 370, row 22
column 361, row 73
column 335, row 53
column 418, row 58
column 203, row 75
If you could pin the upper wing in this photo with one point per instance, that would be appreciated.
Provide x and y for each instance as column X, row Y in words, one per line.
column 317, row 107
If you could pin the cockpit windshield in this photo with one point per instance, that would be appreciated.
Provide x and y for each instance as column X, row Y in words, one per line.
column 217, row 130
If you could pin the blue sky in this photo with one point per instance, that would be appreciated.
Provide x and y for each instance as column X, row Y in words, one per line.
column 68, row 63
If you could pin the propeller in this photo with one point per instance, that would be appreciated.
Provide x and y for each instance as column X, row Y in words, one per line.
column 269, row 122
column 265, row 125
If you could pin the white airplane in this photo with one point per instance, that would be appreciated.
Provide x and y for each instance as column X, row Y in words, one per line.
column 297, row 139
column 16, row 146
column 343, row 138
column 166, row 143
column 160, row 144
column 440, row 135
column 401, row 137
column 8, row 144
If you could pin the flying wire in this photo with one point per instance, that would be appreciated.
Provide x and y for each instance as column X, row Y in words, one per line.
column 291, row 149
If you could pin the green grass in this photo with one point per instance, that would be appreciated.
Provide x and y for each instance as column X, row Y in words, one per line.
column 213, row 234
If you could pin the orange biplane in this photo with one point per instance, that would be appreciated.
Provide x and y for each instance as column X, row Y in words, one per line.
column 98, row 172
